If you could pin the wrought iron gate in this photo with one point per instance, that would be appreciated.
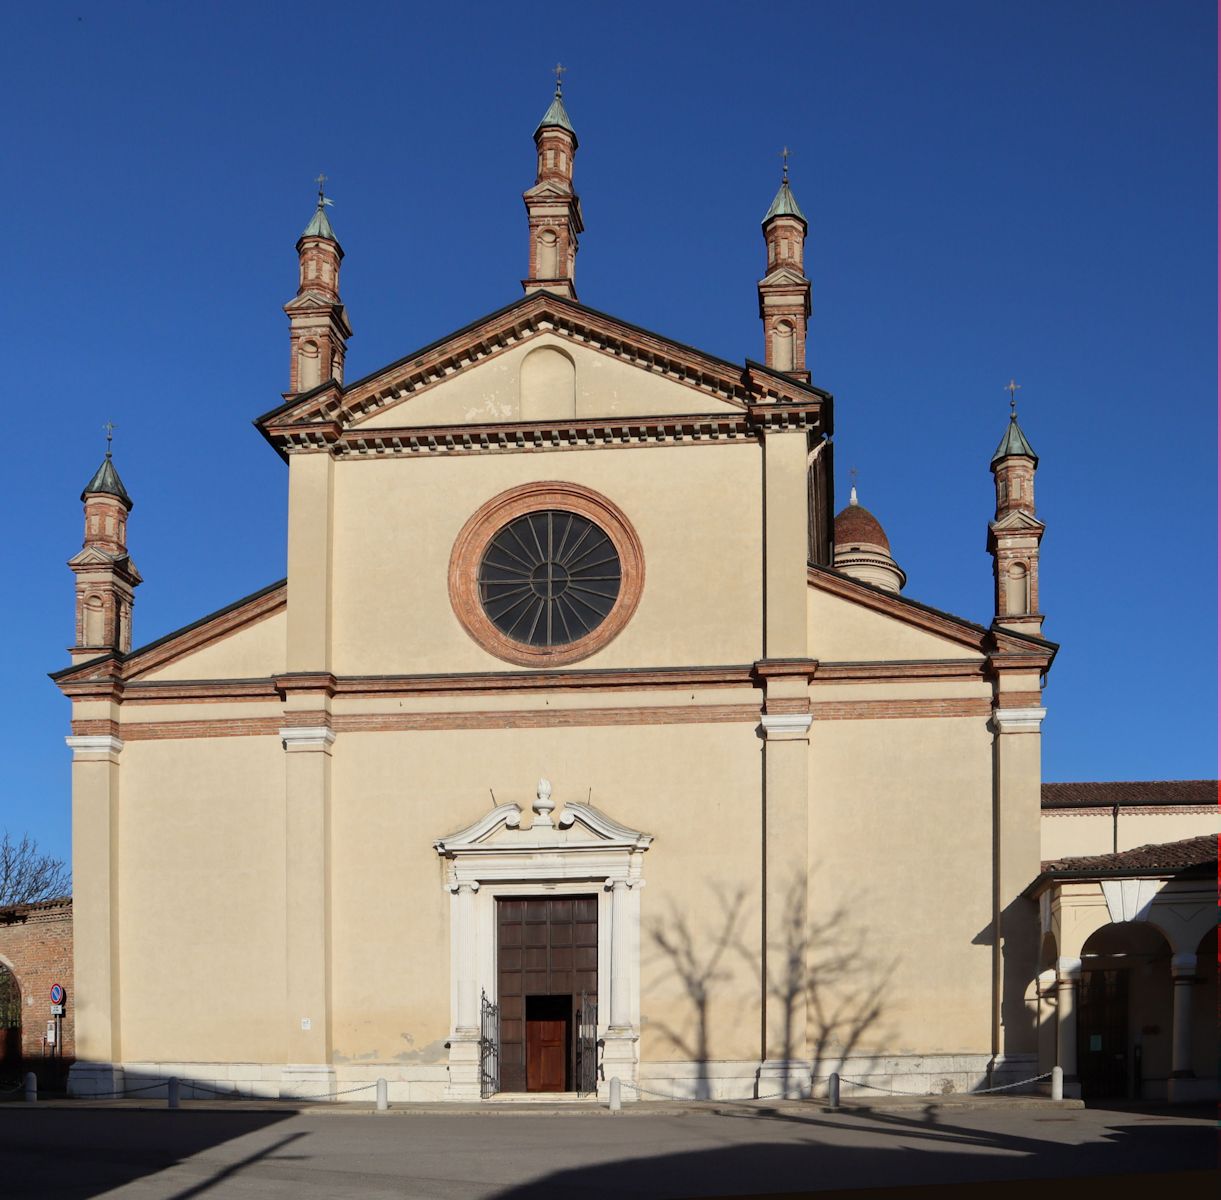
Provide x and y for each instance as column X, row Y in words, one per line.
column 489, row 1047
column 587, row 1045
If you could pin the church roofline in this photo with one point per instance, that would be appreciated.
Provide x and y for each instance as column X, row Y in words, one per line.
column 126, row 661
column 734, row 377
column 947, row 624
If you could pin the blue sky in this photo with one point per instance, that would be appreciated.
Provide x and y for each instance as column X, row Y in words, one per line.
column 993, row 189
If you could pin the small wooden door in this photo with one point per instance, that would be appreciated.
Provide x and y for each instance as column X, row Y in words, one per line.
column 549, row 1043
column 546, row 1055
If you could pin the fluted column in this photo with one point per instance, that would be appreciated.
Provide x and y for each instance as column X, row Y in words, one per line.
column 464, row 1050
column 464, row 945
column 621, row 1036
column 620, row 992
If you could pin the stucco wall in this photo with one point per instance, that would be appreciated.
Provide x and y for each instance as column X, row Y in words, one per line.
column 201, row 917
column 250, row 653
column 696, row 509
column 492, row 392
column 900, row 879
column 1065, row 832
column 395, row 793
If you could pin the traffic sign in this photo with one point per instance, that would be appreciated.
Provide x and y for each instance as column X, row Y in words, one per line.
column 57, row 994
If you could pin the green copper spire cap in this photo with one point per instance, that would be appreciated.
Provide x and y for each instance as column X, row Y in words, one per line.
column 1014, row 444
column 557, row 115
column 106, row 482
column 320, row 226
column 785, row 205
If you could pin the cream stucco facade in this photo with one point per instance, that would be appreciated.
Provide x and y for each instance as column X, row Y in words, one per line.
column 804, row 809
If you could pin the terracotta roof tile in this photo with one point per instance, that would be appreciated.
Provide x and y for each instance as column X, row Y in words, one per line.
column 1130, row 793
column 1156, row 858
column 856, row 524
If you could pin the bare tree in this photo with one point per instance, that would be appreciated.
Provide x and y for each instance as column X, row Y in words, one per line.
column 27, row 876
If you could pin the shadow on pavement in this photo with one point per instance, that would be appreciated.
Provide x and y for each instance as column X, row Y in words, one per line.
column 907, row 1154
column 95, row 1150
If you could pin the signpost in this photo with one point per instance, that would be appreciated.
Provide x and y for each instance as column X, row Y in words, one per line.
column 55, row 1028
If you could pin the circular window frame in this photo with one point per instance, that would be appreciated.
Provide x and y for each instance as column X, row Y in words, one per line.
column 472, row 542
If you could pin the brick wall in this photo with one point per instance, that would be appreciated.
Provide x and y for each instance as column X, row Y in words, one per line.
column 36, row 946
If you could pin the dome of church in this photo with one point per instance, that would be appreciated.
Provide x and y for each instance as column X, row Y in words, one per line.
column 862, row 548
column 855, row 524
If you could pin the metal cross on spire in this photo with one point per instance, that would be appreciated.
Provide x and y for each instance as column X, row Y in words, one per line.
column 784, row 158
column 110, row 427
column 559, row 70
column 322, row 200
column 1013, row 388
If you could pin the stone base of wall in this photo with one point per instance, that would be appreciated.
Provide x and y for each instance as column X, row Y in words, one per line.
column 260, row 1081
column 862, row 1077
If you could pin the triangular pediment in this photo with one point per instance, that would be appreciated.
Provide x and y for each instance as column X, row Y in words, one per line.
column 311, row 300
column 550, row 187
column 579, row 827
column 473, row 378
column 96, row 556
column 783, row 275
column 1017, row 520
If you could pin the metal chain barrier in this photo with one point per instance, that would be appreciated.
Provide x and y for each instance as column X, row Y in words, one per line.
column 1004, row 1087
column 196, row 1086
column 696, row 1099
column 233, row 1094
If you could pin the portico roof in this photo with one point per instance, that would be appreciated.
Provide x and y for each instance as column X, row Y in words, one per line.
column 1189, row 858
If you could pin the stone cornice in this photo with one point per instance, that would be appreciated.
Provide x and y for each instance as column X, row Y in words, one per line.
column 143, row 692
column 331, row 416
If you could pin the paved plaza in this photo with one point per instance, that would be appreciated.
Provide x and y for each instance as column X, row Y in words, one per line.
column 61, row 1152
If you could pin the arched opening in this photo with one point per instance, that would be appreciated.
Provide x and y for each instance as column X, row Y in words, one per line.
column 1019, row 589
column 1125, row 1013
column 548, row 385
column 782, row 347
column 10, row 1022
column 548, row 255
column 1204, row 1008
column 95, row 618
column 309, row 366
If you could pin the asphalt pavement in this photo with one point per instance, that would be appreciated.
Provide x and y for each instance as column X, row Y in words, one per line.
column 62, row 1152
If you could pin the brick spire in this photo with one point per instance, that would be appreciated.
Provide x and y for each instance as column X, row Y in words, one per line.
column 317, row 318
column 784, row 292
column 552, row 207
column 1015, row 532
column 106, row 578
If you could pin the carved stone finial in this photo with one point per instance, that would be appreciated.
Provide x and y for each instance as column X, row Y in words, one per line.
column 543, row 804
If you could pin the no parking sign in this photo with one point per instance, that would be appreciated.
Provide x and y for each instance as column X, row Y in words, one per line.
column 57, row 1000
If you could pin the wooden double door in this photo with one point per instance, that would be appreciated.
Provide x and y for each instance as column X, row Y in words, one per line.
column 547, row 956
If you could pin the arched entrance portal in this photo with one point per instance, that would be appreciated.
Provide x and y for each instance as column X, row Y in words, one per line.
column 10, row 1021
column 1125, row 1013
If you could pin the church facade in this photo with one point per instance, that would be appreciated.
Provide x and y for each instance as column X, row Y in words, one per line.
column 582, row 741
